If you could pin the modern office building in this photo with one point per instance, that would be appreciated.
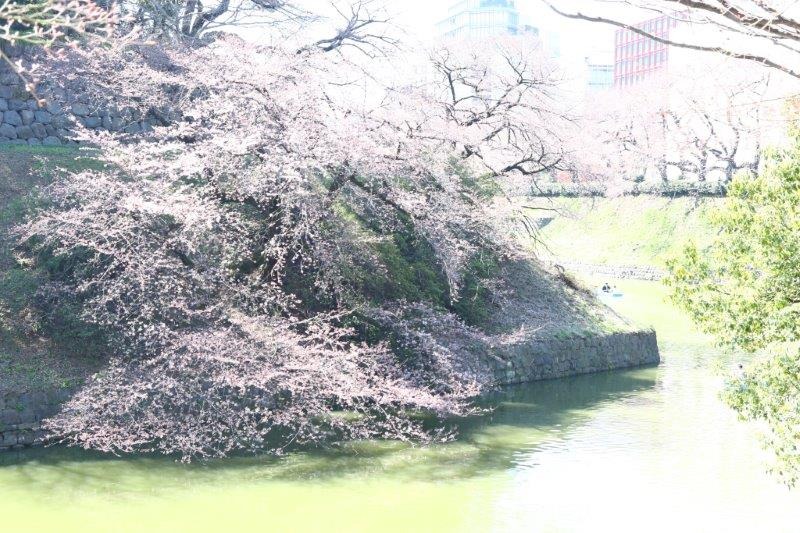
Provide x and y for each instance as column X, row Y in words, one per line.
column 478, row 19
column 599, row 76
column 637, row 58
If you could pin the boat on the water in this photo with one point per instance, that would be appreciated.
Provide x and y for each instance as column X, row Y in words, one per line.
column 610, row 292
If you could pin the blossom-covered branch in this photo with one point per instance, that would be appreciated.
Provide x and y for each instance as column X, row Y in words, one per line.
column 51, row 25
column 220, row 253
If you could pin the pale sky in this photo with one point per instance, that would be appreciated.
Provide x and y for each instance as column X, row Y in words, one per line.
column 577, row 39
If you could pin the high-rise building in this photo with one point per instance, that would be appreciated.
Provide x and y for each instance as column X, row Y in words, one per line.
column 599, row 76
column 636, row 57
column 482, row 18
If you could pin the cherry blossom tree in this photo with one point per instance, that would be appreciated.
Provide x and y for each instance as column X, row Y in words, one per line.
column 508, row 96
column 690, row 129
column 216, row 252
column 190, row 19
column 50, row 25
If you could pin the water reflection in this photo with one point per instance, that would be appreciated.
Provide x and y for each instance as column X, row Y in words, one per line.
column 521, row 417
column 646, row 449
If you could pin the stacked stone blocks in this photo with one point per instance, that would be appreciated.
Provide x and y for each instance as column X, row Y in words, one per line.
column 568, row 355
column 24, row 121
column 21, row 415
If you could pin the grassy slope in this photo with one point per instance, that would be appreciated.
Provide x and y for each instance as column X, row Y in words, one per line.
column 30, row 358
column 537, row 300
column 642, row 230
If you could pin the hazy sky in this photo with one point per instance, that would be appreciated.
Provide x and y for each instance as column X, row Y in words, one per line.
column 576, row 38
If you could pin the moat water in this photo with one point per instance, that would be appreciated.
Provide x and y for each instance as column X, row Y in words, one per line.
column 650, row 449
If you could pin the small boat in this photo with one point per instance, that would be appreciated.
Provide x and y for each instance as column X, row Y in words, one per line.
column 610, row 293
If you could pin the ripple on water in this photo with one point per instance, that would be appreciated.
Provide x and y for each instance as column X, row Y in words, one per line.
column 648, row 449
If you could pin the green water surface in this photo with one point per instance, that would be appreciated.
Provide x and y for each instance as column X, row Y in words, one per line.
column 649, row 449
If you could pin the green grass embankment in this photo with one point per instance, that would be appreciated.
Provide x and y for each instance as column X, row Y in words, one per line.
column 33, row 356
column 627, row 230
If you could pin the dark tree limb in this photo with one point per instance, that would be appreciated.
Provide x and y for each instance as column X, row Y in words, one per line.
column 768, row 31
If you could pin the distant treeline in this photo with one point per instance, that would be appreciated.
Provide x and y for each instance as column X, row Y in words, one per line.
column 675, row 190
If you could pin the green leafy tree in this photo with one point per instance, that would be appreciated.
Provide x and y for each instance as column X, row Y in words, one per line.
column 745, row 289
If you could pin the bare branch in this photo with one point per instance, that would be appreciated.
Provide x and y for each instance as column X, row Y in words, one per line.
column 365, row 29
column 775, row 30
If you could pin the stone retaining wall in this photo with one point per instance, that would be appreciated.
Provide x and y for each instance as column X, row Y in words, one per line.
column 24, row 121
column 580, row 354
column 21, row 415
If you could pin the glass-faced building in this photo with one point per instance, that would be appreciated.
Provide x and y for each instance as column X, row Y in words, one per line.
column 600, row 76
column 636, row 57
column 482, row 18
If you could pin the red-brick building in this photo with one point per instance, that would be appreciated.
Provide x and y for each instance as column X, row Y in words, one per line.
column 636, row 57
